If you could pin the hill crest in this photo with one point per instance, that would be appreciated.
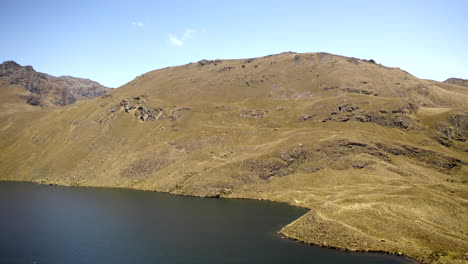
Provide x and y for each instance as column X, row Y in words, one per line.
column 378, row 155
column 40, row 89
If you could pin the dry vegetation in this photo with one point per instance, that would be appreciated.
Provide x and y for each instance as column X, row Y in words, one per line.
column 379, row 156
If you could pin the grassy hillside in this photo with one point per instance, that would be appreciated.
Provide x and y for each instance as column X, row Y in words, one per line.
column 457, row 81
column 378, row 155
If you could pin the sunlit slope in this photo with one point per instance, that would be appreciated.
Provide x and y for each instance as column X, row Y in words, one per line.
column 378, row 155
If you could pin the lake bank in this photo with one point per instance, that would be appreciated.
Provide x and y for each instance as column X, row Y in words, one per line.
column 250, row 227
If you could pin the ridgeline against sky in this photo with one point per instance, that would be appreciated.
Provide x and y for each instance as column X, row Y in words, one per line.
column 378, row 155
column 114, row 41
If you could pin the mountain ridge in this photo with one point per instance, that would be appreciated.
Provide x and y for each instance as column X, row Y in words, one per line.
column 457, row 81
column 378, row 155
column 47, row 90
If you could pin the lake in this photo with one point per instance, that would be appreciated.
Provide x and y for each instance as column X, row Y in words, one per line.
column 53, row 224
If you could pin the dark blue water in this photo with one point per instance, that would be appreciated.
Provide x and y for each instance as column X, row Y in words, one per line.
column 51, row 224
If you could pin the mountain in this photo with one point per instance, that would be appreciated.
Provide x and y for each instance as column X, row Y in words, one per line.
column 40, row 89
column 457, row 81
column 378, row 155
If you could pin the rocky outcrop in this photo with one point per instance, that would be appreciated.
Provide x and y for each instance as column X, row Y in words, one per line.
column 343, row 154
column 178, row 113
column 82, row 88
column 455, row 128
column 208, row 62
column 144, row 112
column 227, row 68
column 147, row 114
column 46, row 89
column 391, row 120
column 254, row 113
column 360, row 91
column 10, row 67
column 457, row 81
column 284, row 163
column 430, row 158
column 409, row 108
column 306, row 117
column 347, row 108
column 399, row 117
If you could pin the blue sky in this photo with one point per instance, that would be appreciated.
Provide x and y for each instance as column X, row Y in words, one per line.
column 114, row 41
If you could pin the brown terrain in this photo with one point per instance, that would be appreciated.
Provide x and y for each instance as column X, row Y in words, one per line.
column 377, row 155
column 457, row 81
column 23, row 83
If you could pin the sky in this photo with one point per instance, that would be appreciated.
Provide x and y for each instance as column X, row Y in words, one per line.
column 114, row 41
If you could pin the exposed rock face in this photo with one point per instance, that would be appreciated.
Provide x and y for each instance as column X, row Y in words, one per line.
column 208, row 62
column 144, row 112
column 398, row 117
column 457, row 81
column 281, row 164
column 360, row 91
column 254, row 113
column 46, row 89
column 392, row 120
column 341, row 155
column 347, row 108
column 223, row 69
column 82, row 88
column 409, row 108
column 305, row 118
column 455, row 128
column 11, row 67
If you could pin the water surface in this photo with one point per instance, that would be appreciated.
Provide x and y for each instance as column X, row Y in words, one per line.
column 53, row 224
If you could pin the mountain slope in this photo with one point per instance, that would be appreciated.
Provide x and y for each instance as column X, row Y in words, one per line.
column 457, row 81
column 378, row 155
column 23, row 84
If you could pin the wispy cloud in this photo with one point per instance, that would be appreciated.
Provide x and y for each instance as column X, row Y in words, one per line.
column 138, row 23
column 176, row 41
column 188, row 33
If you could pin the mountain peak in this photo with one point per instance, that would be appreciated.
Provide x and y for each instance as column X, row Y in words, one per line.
column 457, row 81
column 11, row 67
column 45, row 89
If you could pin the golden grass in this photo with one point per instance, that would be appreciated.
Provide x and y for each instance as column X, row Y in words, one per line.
column 362, row 194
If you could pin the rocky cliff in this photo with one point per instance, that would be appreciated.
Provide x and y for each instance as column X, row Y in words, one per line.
column 41, row 89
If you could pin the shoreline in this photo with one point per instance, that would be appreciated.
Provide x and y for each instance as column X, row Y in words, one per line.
column 398, row 254
column 280, row 232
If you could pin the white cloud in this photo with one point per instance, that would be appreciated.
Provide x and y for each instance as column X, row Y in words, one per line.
column 188, row 34
column 176, row 41
column 138, row 24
